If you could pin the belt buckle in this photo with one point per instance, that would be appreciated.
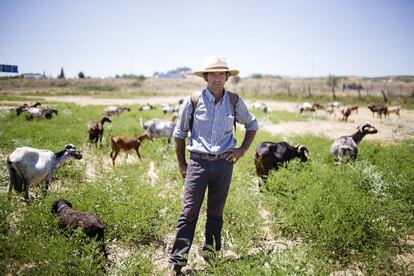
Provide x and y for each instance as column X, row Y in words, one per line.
column 214, row 158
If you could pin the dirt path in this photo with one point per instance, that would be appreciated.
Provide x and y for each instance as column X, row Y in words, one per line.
column 390, row 130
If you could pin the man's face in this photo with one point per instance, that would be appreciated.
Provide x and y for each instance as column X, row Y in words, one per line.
column 216, row 80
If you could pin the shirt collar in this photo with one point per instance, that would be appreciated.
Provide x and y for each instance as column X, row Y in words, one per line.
column 210, row 95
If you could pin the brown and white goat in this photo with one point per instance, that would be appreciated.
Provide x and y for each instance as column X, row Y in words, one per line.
column 125, row 143
column 96, row 130
column 393, row 109
column 345, row 113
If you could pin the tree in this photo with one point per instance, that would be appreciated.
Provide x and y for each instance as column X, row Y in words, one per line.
column 81, row 75
column 62, row 74
column 332, row 82
column 256, row 76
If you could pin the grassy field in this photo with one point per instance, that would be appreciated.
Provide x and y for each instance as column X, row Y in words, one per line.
column 310, row 218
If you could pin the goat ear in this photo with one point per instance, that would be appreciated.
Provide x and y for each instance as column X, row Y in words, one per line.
column 68, row 203
column 54, row 206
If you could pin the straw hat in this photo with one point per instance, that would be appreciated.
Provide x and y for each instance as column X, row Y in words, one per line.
column 216, row 64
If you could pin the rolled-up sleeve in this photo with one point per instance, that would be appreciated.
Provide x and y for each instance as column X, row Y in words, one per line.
column 244, row 117
column 182, row 127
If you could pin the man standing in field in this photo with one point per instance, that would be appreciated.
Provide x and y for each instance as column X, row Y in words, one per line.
column 210, row 115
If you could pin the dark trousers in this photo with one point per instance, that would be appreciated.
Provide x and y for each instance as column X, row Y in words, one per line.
column 202, row 174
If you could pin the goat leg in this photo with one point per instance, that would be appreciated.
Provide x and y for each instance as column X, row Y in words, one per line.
column 47, row 183
column 113, row 158
column 137, row 150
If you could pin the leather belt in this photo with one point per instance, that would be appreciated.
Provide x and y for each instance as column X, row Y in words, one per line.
column 208, row 157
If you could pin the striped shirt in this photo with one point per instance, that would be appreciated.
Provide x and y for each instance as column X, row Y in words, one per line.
column 213, row 123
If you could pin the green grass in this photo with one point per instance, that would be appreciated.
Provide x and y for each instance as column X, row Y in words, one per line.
column 329, row 217
column 356, row 212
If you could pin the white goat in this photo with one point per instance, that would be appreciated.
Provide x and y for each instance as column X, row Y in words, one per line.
column 261, row 106
column 30, row 165
column 158, row 128
column 333, row 104
column 115, row 110
column 146, row 107
column 167, row 108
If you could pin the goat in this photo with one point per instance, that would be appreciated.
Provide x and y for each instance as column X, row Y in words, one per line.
column 307, row 109
column 70, row 218
column 261, row 106
column 115, row 110
column 270, row 156
column 354, row 108
column 124, row 143
column 347, row 145
column 333, row 104
column 158, row 128
column 330, row 110
column 317, row 106
column 378, row 108
column 166, row 108
column 345, row 113
column 96, row 130
column 146, row 107
column 30, row 165
column 393, row 109
column 20, row 109
column 35, row 112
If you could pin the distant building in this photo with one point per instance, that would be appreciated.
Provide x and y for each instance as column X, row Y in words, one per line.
column 34, row 76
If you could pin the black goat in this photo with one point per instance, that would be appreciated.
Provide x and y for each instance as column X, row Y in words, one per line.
column 89, row 222
column 381, row 109
column 270, row 156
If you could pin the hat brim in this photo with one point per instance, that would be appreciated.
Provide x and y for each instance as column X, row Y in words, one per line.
column 200, row 73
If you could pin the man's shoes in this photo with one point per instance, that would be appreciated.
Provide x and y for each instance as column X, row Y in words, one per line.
column 209, row 254
column 173, row 270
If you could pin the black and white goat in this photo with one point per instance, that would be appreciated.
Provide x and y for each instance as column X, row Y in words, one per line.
column 30, row 166
column 347, row 146
column 270, row 156
column 35, row 112
column 20, row 109
column 89, row 222
column 260, row 106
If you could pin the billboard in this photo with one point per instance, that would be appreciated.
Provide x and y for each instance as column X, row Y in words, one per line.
column 8, row 68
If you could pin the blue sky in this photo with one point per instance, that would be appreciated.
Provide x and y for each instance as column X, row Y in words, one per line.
column 290, row 38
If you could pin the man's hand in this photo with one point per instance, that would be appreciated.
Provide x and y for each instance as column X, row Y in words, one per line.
column 183, row 169
column 235, row 154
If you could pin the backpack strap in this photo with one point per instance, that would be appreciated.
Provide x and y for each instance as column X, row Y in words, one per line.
column 195, row 96
column 233, row 99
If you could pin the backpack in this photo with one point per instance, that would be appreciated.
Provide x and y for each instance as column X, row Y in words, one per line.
column 195, row 96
